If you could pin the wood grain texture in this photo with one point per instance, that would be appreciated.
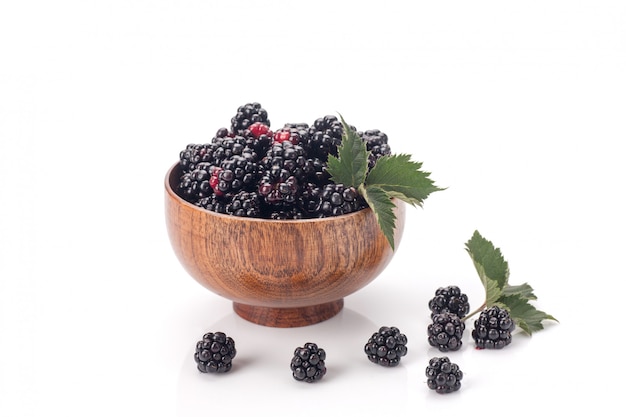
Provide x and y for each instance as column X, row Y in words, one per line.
column 278, row 264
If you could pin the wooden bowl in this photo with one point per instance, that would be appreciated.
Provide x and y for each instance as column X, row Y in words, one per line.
column 279, row 273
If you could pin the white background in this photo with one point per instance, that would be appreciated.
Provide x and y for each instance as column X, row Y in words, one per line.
column 518, row 108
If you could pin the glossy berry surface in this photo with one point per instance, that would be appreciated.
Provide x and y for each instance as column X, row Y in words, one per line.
column 386, row 346
column 446, row 332
column 443, row 376
column 492, row 328
column 250, row 170
column 215, row 353
column 451, row 300
column 308, row 363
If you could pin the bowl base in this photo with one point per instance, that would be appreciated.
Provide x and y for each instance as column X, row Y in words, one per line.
column 288, row 317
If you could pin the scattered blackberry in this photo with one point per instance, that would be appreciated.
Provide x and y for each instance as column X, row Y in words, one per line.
column 215, row 352
column 195, row 184
column 247, row 115
column 386, row 346
column 376, row 142
column 446, row 332
column 244, row 204
column 449, row 299
column 492, row 329
column 443, row 376
column 308, row 363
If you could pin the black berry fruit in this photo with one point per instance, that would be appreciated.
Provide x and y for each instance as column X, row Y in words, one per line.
column 446, row 332
column 308, row 363
column 215, row 352
column 492, row 329
column 386, row 346
column 449, row 299
column 247, row 115
column 443, row 376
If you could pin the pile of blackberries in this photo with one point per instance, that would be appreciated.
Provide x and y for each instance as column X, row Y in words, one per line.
column 248, row 170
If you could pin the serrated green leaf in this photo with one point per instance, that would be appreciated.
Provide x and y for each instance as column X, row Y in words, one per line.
column 488, row 262
column 402, row 178
column 350, row 166
column 526, row 316
column 524, row 291
column 382, row 207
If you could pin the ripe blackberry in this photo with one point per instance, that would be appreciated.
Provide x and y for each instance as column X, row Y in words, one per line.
column 449, row 299
column 324, row 137
column 285, row 212
column 446, row 332
column 223, row 148
column 386, row 346
column 285, row 156
column 195, row 184
column 213, row 203
column 492, row 328
column 330, row 200
column 234, row 173
column 244, row 204
column 376, row 143
column 443, row 376
column 308, row 363
column 248, row 114
column 215, row 352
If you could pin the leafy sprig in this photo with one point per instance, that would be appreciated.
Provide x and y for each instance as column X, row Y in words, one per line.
column 392, row 176
column 493, row 271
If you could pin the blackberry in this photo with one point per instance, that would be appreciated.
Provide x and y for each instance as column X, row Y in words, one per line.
column 213, row 203
column 446, row 332
column 195, row 184
column 223, row 148
column 492, row 328
column 308, row 363
column 449, row 299
column 234, row 173
column 376, row 142
column 286, row 212
column 443, row 376
column 195, row 154
column 330, row 200
column 258, row 137
column 295, row 133
column 215, row 352
column 244, row 204
column 324, row 137
column 248, row 114
column 386, row 346
column 285, row 156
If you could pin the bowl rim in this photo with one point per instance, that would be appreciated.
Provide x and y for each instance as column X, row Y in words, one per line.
column 180, row 200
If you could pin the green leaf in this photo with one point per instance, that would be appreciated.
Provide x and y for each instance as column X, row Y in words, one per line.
column 524, row 291
column 382, row 207
column 402, row 178
column 489, row 263
column 525, row 315
column 350, row 166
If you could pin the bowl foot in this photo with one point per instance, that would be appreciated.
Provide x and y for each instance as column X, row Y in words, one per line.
column 288, row 317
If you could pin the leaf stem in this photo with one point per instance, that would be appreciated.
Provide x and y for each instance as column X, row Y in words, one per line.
column 478, row 310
